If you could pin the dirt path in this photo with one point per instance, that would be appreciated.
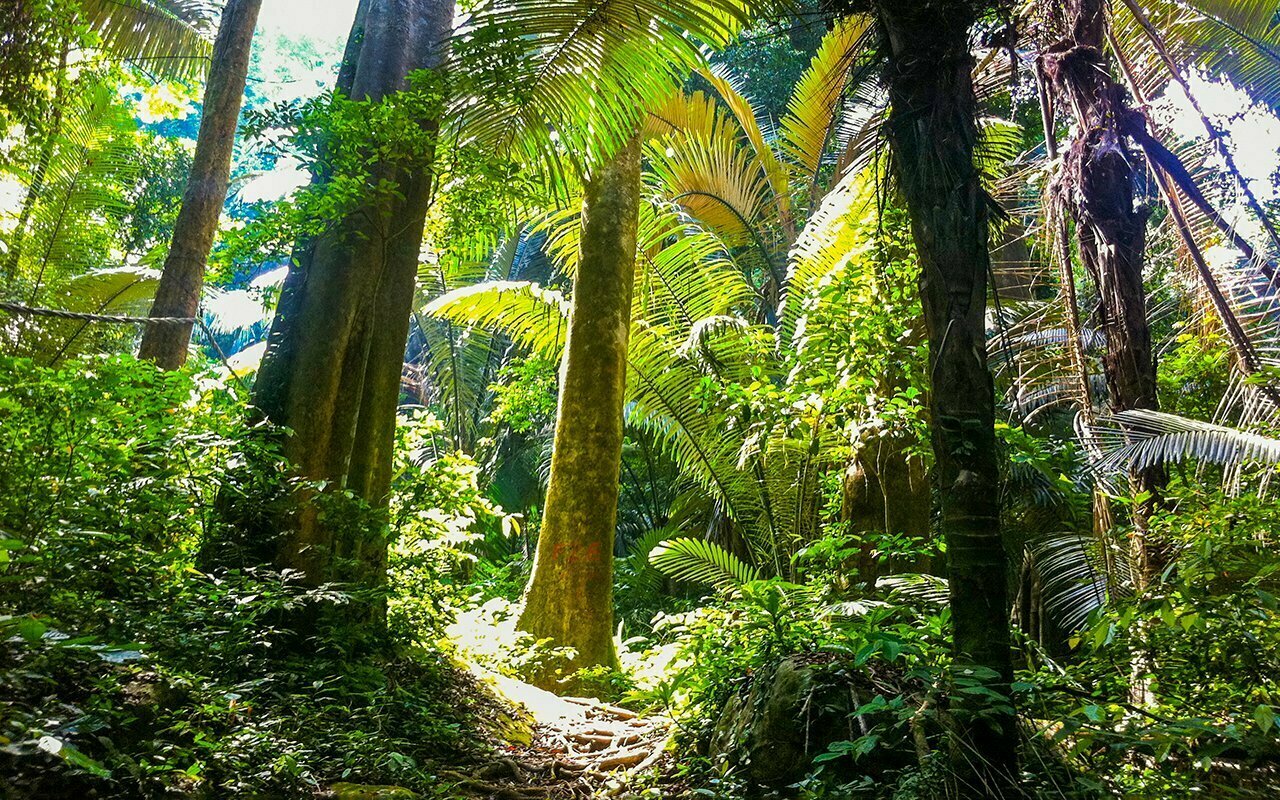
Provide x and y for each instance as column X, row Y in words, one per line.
column 581, row 748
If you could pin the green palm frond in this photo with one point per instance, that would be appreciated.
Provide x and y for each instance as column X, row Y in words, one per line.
column 165, row 38
column 533, row 316
column 721, row 183
column 1138, row 439
column 646, row 574
column 693, row 114
column 663, row 401
column 556, row 77
column 126, row 290
column 930, row 590
column 683, row 274
column 835, row 233
column 1240, row 38
column 86, row 184
column 813, row 114
column 1073, row 574
column 1000, row 143
column 112, row 290
column 755, row 130
column 701, row 561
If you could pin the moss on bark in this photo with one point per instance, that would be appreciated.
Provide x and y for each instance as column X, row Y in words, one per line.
column 569, row 599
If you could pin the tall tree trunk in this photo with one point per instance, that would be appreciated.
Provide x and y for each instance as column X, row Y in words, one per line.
column 182, row 279
column 569, row 599
column 270, row 392
column 933, row 132
column 336, row 348
column 1110, row 229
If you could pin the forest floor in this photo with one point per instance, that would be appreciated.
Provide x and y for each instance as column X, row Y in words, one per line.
column 578, row 748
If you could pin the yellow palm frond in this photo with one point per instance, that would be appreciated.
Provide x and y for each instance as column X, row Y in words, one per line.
column 813, row 114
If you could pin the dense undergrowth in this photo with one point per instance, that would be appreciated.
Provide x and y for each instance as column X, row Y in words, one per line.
column 132, row 669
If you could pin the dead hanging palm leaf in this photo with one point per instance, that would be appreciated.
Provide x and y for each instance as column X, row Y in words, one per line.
column 1182, row 197
column 1264, row 14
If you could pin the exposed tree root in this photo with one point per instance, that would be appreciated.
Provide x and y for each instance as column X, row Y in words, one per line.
column 581, row 748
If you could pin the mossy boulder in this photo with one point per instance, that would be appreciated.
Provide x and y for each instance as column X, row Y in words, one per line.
column 771, row 732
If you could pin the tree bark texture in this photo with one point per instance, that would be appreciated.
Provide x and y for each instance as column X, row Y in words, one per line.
column 182, row 278
column 569, row 599
column 933, row 132
column 886, row 490
column 332, row 369
column 1111, row 230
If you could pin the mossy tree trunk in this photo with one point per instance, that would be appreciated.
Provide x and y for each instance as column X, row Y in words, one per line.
column 182, row 279
column 332, row 369
column 933, row 132
column 1100, row 172
column 569, row 599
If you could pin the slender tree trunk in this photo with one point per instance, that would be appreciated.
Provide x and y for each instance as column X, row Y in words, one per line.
column 336, row 348
column 1110, row 229
column 933, row 132
column 182, row 279
column 569, row 599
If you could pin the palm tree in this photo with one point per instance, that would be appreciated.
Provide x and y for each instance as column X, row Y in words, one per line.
column 182, row 279
column 932, row 128
column 586, row 73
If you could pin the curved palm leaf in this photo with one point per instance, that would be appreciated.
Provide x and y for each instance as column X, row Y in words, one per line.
column 1138, row 439
column 534, row 316
column 165, row 38
column 814, row 111
column 573, row 77
column 701, row 561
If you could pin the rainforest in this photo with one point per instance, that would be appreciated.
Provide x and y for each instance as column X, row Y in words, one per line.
column 646, row 399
